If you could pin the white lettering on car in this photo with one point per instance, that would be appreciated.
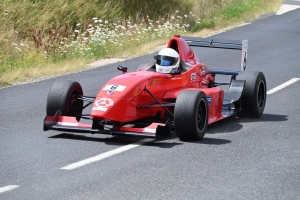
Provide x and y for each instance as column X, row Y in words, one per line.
column 193, row 76
column 103, row 103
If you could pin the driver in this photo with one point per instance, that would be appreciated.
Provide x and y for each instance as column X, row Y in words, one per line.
column 167, row 60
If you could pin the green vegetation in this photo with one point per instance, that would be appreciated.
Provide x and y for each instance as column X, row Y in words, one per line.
column 49, row 37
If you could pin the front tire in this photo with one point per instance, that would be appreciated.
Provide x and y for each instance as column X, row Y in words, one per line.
column 63, row 96
column 253, row 99
column 191, row 115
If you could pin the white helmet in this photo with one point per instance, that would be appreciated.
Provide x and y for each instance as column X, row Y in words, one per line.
column 167, row 60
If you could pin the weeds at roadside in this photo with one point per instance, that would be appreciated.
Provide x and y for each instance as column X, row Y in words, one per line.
column 95, row 38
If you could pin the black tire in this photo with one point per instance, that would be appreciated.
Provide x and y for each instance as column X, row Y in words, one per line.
column 254, row 96
column 62, row 96
column 191, row 115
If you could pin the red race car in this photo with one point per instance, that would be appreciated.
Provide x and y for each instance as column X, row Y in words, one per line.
column 176, row 92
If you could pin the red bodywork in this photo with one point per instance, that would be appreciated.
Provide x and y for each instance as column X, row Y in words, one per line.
column 121, row 105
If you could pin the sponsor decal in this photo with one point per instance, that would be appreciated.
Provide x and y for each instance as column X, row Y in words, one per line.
column 209, row 100
column 103, row 103
column 202, row 71
column 193, row 76
column 245, row 61
column 110, row 92
column 111, row 88
column 67, row 124
column 149, row 130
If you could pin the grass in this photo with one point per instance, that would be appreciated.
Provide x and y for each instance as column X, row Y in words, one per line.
column 62, row 36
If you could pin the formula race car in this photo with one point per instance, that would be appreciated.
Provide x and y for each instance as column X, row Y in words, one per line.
column 149, row 103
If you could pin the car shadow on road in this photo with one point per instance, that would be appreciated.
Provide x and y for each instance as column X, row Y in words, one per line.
column 234, row 123
column 266, row 118
column 169, row 142
column 125, row 140
column 228, row 125
column 109, row 140
column 211, row 141
column 118, row 140
column 76, row 137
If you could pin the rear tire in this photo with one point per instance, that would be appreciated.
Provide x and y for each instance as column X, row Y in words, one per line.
column 191, row 115
column 62, row 96
column 253, row 99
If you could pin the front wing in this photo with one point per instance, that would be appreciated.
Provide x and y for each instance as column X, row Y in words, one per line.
column 70, row 124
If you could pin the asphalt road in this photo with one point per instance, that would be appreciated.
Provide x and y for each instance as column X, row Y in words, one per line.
column 237, row 159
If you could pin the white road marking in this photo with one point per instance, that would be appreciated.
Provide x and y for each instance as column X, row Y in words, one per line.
column 105, row 155
column 280, row 87
column 286, row 8
column 8, row 188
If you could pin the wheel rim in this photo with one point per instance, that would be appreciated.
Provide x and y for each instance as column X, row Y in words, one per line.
column 201, row 115
column 261, row 97
column 74, row 106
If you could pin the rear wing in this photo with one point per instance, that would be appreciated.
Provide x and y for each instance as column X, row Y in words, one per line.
column 221, row 44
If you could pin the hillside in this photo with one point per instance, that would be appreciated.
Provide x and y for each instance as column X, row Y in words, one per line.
column 37, row 35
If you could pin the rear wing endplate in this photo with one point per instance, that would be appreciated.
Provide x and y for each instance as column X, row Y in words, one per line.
column 221, row 44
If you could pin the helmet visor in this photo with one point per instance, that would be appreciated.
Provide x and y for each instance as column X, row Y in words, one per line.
column 166, row 60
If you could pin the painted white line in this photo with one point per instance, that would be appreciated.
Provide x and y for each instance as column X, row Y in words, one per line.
column 280, row 87
column 105, row 155
column 286, row 8
column 8, row 188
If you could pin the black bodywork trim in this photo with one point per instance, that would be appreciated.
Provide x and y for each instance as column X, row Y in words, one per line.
column 224, row 72
column 156, row 99
column 213, row 43
column 234, row 94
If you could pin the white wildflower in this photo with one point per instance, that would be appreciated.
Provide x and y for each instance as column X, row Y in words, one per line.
column 17, row 48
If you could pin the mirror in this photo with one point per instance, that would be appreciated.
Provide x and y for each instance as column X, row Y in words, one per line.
column 123, row 69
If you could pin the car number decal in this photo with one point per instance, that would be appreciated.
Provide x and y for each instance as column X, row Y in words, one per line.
column 209, row 100
column 119, row 88
column 193, row 76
